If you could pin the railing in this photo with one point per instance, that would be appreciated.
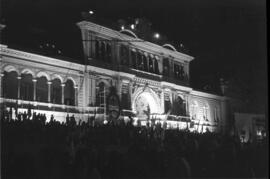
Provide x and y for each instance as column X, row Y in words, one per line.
column 47, row 106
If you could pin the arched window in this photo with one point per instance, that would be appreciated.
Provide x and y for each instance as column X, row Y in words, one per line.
column 27, row 87
column 56, row 91
column 42, row 89
column 69, row 93
column 10, row 85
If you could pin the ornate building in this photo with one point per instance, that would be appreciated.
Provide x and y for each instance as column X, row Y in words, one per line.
column 151, row 81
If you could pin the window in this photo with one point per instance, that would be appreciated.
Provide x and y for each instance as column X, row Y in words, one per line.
column 145, row 64
column 205, row 112
column 124, row 57
column 100, row 94
column 194, row 110
column 97, row 49
column 166, row 67
column 109, row 53
column 103, row 51
column 134, row 59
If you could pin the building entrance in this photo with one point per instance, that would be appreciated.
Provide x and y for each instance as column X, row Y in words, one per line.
column 145, row 104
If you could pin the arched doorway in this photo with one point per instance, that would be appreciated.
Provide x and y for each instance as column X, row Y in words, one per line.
column 145, row 102
column 10, row 85
column 69, row 93
column 42, row 89
column 56, row 92
column 27, row 87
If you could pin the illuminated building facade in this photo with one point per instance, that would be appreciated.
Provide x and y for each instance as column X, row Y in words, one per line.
column 150, row 80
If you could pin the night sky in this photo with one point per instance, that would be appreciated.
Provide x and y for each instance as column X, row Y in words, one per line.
column 227, row 38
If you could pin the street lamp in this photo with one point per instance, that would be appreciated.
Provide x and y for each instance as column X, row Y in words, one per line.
column 91, row 12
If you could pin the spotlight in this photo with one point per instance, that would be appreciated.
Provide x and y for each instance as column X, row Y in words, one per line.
column 122, row 27
column 91, row 12
column 156, row 35
column 132, row 26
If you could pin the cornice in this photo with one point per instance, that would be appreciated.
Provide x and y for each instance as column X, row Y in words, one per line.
column 174, row 86
column 144, row 45
column 39, row 58
column 207, row 95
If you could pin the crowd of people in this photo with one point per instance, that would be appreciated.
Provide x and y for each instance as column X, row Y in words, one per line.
column 33, row 147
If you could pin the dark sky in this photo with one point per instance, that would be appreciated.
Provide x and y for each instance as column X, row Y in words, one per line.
column 226, row 37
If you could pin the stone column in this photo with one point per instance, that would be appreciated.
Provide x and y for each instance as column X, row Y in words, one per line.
column 120, row 89
column 130, row 93
column 34, row 89
column 93, row 88
column 63, row 93
column 162, row 101
column 147, row 61
column 49, row 91
column 1, row 85
column 153, row 65
column 187, row 107
column 76, row 95
column 129, row 58
column 19, row 87
column 171, row 67
column 171, row 97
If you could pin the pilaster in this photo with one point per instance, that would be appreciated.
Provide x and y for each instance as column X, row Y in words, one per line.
column 1, row 84
column 76, row 95
column 63, row 93
column 19, row 87
column 34, row 88
column 49, row 83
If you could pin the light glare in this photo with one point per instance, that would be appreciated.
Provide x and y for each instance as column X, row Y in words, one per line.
column 157, row 35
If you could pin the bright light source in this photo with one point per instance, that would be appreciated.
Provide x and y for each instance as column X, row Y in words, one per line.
column 157, row 35
column 91, row 12
column 122, row 27
column 132, row 26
